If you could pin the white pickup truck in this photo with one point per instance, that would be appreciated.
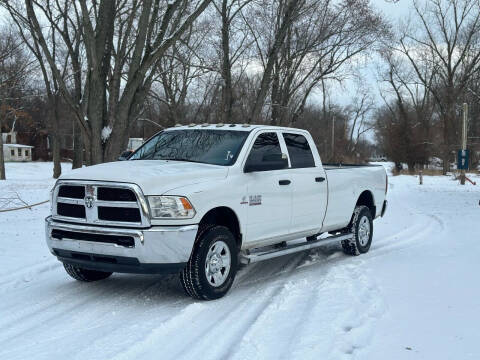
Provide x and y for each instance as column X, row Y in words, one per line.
column 201, row 199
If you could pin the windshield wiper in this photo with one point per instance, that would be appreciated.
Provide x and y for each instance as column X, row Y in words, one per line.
column 187, row 160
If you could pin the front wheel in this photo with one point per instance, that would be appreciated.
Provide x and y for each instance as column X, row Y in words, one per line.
column 361, row 227
column 212, row 267
column 85, row 275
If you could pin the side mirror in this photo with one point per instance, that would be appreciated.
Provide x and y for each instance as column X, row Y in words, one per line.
column 269, row 162
column 125, row 155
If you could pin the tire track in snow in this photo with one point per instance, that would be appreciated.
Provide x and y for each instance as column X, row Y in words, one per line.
column 284, row 329
column 28, row 274
column 107, row 295
column 237, row 314
column 246, row 315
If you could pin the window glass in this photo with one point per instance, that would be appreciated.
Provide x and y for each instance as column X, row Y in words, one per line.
column 265, row 144
column 12, row 152
column 19, row 152
column 299, row 151
column 218, row 147
column 26, row 152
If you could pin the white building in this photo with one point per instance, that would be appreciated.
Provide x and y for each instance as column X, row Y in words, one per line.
column 13, row 151
column 134, row 143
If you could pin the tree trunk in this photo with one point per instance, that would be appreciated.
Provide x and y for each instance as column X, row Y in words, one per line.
column 275, row 97
column 411, row 167
column 227, row 91
column 118, row 139
column 77, row 146
column 446, row 162
column 57, row 168
column 55, row 137
column 447, row 120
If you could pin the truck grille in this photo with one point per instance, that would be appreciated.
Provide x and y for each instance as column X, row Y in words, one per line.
column 100, row 203
column 118, row 214
column 115, row 194
column 71, row 210
column 74, row 192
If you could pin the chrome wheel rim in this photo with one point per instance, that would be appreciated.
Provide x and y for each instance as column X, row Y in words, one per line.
column 217, row 264
column 364, row 231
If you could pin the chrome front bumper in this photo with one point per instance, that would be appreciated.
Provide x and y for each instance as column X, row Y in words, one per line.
column 158, row 245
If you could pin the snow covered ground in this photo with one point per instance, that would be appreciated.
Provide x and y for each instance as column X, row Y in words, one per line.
column 415, row 295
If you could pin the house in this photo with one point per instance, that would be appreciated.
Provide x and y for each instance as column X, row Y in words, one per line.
column 13, row 151
column 17, row 152
column 134, row 143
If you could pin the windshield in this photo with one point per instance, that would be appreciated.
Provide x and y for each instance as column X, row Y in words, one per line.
column 217, row 147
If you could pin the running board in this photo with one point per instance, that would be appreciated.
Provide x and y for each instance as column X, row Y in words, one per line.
column 249, row 257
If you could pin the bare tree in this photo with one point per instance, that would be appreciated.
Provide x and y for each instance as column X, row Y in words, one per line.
column 182, row 65
column 408, row 114
column 323, row 41
column 326, row 44
column 286, row 12
column 445, row 36
column 14, row 67
column 359, row 112
column 234, row 42
column 122, row 41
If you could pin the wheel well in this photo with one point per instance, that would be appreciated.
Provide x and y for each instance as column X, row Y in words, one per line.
column 226, row 217
column 366, row 199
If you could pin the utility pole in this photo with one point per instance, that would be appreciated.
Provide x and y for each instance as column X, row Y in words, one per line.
column 333, row 137
column 464, row 139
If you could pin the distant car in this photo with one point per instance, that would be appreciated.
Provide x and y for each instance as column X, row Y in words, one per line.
column 198, row 200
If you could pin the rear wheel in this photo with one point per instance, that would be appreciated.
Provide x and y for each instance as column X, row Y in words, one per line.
column 85, row 275
column 212, row 267
column 361, row 227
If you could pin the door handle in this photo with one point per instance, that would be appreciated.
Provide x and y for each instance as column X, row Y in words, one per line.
column 320, row 179
column 284, row 182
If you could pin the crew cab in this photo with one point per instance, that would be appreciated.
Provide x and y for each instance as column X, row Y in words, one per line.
column 199, row 200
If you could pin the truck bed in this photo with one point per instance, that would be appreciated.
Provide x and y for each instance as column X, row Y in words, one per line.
column 346, row 182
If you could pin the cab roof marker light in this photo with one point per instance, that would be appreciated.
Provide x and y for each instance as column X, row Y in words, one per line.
column 205, row 125
column 192, row 125
column 245, row 125
column 232, row 125
column 178, row 125
column 219, row 125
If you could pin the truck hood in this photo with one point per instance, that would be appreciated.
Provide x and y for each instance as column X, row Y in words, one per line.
column 155, row 177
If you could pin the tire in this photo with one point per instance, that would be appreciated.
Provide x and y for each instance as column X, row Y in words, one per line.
column 85, row 275
column 208, row 276
column 361, row 227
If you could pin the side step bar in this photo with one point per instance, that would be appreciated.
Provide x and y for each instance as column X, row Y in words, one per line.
column 256, row 255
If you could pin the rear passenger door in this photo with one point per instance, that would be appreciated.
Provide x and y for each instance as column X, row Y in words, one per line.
column 309, row 200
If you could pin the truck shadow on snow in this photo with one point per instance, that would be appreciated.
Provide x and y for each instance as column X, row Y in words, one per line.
column 158, row 289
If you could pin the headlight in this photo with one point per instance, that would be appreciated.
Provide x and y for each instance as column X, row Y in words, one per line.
column 170, row 207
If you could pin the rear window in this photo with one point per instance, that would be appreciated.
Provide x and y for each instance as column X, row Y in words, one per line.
column 299, row 150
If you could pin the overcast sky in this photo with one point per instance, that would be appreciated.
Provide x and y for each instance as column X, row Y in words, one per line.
column 391, row 9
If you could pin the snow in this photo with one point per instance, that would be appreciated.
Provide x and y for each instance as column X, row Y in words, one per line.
column 18, row 146
column 415, row 295
column 106, row 131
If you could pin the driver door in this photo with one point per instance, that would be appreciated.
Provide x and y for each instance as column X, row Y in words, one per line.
column 269, row 191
